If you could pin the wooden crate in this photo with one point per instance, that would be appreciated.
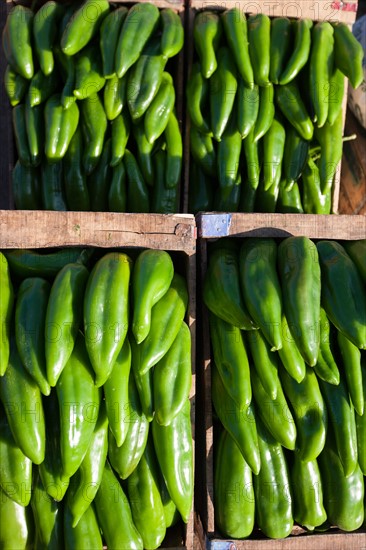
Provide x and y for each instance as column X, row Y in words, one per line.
column 210, row 227
column 9, row 154
column 23, row 229
column 299, row 9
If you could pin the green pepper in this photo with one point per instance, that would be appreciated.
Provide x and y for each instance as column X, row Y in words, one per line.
column 22, row 401
column 261, row 287
column 307, row 490
column 89, row 77
column 17, row 40
column 98, row 181
column 172, row 36
column 63, row 317
column 6, row 310
column 173, row 447
column 336, row 94
column 273, row 499
column 41, row 87
column 309, row 411
column 114, row 96
column 233, row 490
column 116, row 394
column 52, row 186
column 45, row 33
column 203, row 151
column 94, row 124
column 15, row 467
column 48, row 517
column 138, row 199
column 146, row 504
column 197, row 94
column 20, row 134
column 76, row 190
column 229, row 202
column 321, row 66
column 30, row 322
column 348, row 54
column 236, row 32
column 67, row 67
column 252, row 162
column 17, row 526
column 117, row 197
column 299, row 272
column 88, row 477
column 157, row 115
column 174, row 150
column 265, row 362
column 86, row 535
column 346, row 310
column 266, row 200
column 273, row 150
column 83, row 25
column 361, row 425
column 314, row 200
column 280, row 47
column 357, row 252
column 290, row 355
column 240, row 423
column 171, row 513
column 207, row 33
column 228, row 157
column 266, row 111
column 164, row 199
column 301, row 50
column 231, row 360
column 351, row 358
column 289, row 201
column 144, row 382
column 275, row 413
column 247, row 107
column 138, row 26
column 326, row 367
column 200, row 190
column 223, row 86
column 167, row 315
column 290, row 103
column 106, row 327
column 259, row 29
column 34, row 123
column 16, row 86
column 110, row 30
column 125, row 458
column 329, row 138
column 60, row 126
column 144, row 153
column 118, row 527
column 151, row 278
column 295, row 157
column 343, row 494
column 30, row 263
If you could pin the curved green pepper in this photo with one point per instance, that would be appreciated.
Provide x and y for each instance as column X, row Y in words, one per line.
column 83, row 25
column 289, row 101
column 252, row 163
column 89, row 77
column 94, row 124
column 120, row 129
column 53, row 192
column 99, row 180
column 326, row 367
column 295, row 156
column 31, row 263
column 361, row 426
column 86, row 535
column 261, row 287
column 266, row 111
column 265, row 362
column 20, row 134
column 22, row 401
column 106, row 327
column 223, row 86
column 233, row 490
column 34, row 123
column 307, row 493
column 164, row 199
column 236, row 32
column 174, row 152
column 259, row 29
column 76, row 190
column 300, row 52
column 172, row 36
column 314, row 200
column 173, row 447
column 16, row 86
column 228, row 158
column 247, row 107
column 60, row 126
column 203, row 151
column 357, row 252
column 144, row 153
column 138, row 199
column 280, row 47
column 79, row 401
column 67, row 67
column 348, row 54
column 41, row 87
column 321, row 66
column 117, row 197
column 114, row 96
column 200, row 196
column 110, row 30
column 207, row 33
column 17, row 40
column 45, row 33
column 329, row 138
column 144, row 382
column 197, row 94
column 30, row 322
column 48, row 517
column 351, row 357
column 6, row 309
column 17, row 526
column 289, row 201
column 290, row 355
column 273, row 150
column 336, row 94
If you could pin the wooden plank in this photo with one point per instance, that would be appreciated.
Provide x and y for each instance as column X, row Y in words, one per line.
column 212, row 225
column 45, row 229
column 326, row 10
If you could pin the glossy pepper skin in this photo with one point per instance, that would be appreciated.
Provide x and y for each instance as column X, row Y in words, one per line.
column 326, row 367
column 236, row 32
column 30, row 323
column 118, row 528
column 343, row 495
column 86, row 535
column 17, row 40
column 357, row 252
column 116, row 394
column 98, row 180
column 174, row 152
column 265, row 362
column 347, row 48
column 197, row 93
column 261, row 287
column 280, row 47
column 94, row 124
column 173, row 447
column 228, row 157
column 45, row 32
column 34, row 122
column 231, row 360
column 6, row 310
column 60, row 126
column 157, row 115
column 109, row 34
column 307, row 493
column 144, row 153
column 67, row 69
column 351, row 358
column 299, row 272
column 63, row 317
column 266, row 111
column 76, row 190
column 207, row 33
column 89, row 77
column 223, row 87
column 221, row 291
column 151, row 278
column 247, row 105
column 81, row 28
column 309, row 411
column 48, row 517
column 203, row 151
column 321, row 64
column 329, row 138
column 41, row 87
column 139, row 24
column 336, row 94
column 20, row 134
column 138, row 198
column 88, row 477
column 233, row 490
column 293, row 108
column 361, row 425
column 172, row 37
column 22, row 401
column 17, row 526
column 295, row 156
column 117, row 196
column 289, row 202
column 52, row 186
column 253, row 167
column 16, row 86
column 274, row 506
column 144, row 382
column 238, row 422
column 314, row 200
column 290, row 355
column 164, row 200
column 106, row 309
column 30, row 263
column 79, row 403
column 301, row 50
column 146, row 504
column 15, row 467
column 346, row 310
column 259, row 29
column 273, row 150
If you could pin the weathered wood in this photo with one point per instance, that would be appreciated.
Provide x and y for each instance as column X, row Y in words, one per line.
column 213, row 225
column 353, row 179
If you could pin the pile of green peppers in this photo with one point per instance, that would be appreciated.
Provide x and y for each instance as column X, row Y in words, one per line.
column 288, row 335
column 95, row 377
column 264, row 99
column 93, row 100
